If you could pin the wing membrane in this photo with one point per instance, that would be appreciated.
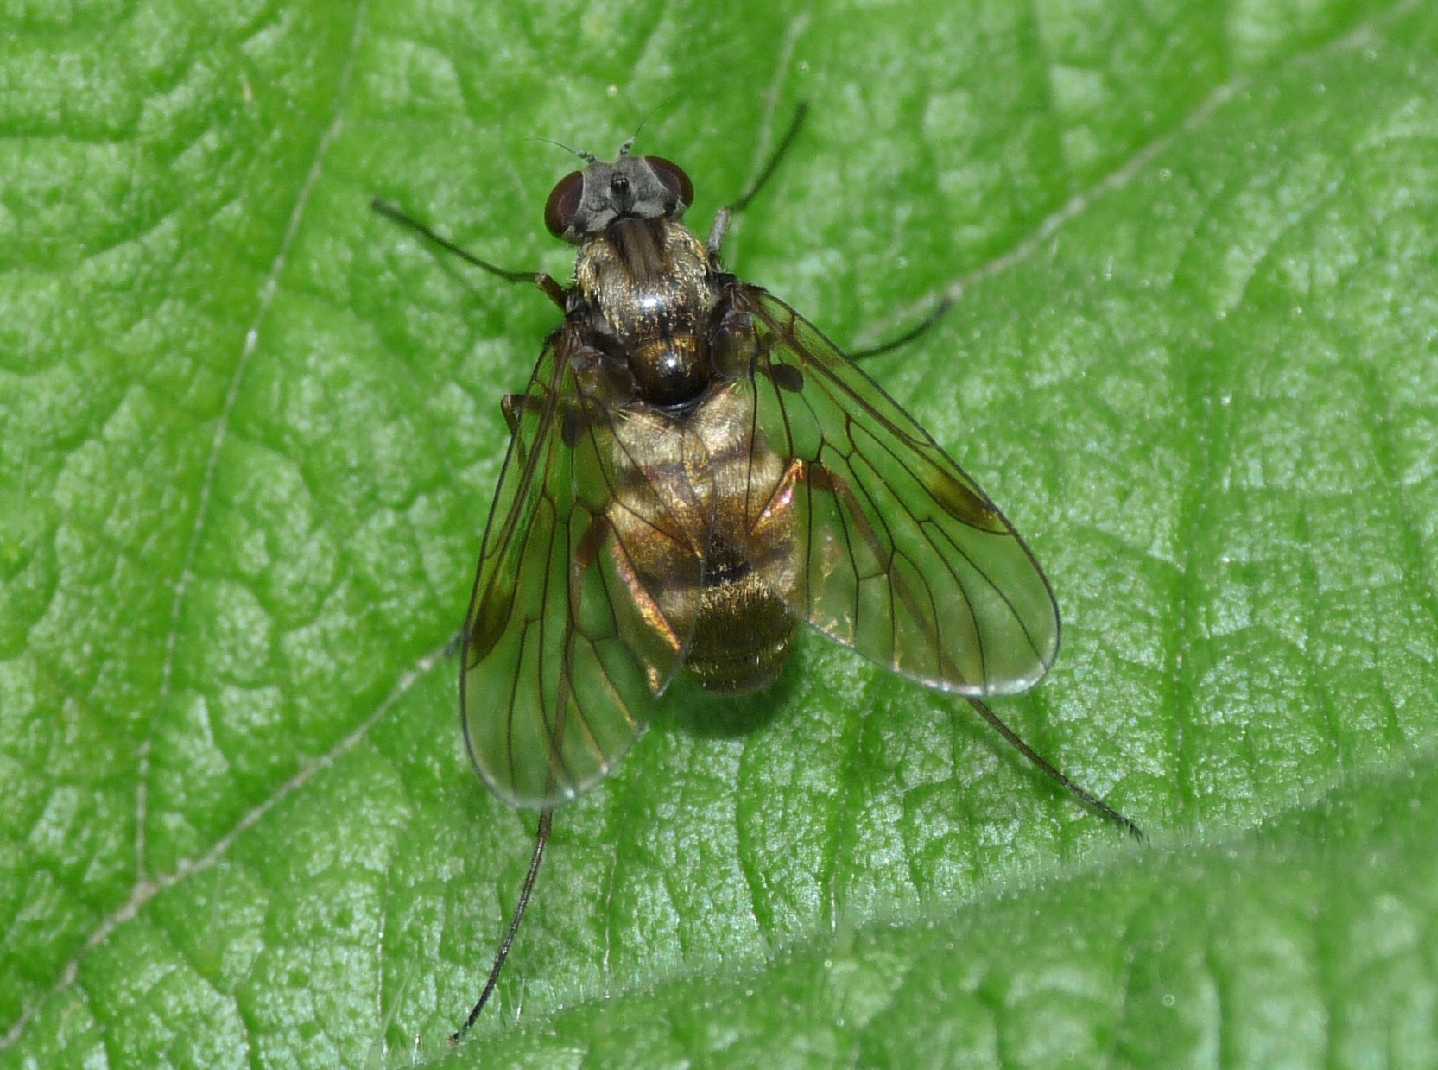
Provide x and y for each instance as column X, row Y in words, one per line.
column 902, row 556
column 564, row 644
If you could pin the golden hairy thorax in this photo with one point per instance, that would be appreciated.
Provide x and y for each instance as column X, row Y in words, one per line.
column 649, row 284
column 643, row 269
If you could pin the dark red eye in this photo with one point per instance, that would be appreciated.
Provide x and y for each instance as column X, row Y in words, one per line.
column 563, row 203
column 673, row 177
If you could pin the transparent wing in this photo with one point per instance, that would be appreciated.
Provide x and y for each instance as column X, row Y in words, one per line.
column 566, row 642
column 901, row 555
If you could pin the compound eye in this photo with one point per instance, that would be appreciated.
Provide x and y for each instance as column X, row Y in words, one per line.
column 673, row 178
column 563, row 203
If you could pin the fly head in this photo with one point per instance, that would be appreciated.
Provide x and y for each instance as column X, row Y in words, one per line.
column 585, row 203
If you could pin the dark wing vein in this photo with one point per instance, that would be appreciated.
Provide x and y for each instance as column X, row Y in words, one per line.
column 905, row 558
column 555, row 685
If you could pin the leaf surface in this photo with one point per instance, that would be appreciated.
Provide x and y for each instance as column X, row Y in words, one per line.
column 249, row 431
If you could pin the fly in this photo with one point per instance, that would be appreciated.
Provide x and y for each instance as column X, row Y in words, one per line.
column 693, row 470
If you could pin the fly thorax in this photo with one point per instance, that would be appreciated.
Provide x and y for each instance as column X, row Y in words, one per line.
column 649, row 284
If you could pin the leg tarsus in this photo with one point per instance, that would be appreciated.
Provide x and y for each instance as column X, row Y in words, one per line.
column 821, row 479
column 1082, row 794
column 541, row 840
column 938, row 312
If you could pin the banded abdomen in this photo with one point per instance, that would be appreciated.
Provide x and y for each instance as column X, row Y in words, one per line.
column 729, row 500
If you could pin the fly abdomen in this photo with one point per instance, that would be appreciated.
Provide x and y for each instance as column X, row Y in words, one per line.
column 741, row 637
column 744, row 628
column 732, row 571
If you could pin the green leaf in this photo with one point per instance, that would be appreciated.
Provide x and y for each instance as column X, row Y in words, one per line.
column 248, row 433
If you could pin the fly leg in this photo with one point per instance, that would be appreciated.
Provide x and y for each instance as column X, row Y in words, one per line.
column 721, row 220
column 514, row 406
column 918, row 330
column 573, row 419
column 822, row 480
column 587, row 553
column 541, row 840
column 545, row 282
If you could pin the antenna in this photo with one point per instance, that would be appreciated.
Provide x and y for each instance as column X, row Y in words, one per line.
column 629, row 144
column 587, row 157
